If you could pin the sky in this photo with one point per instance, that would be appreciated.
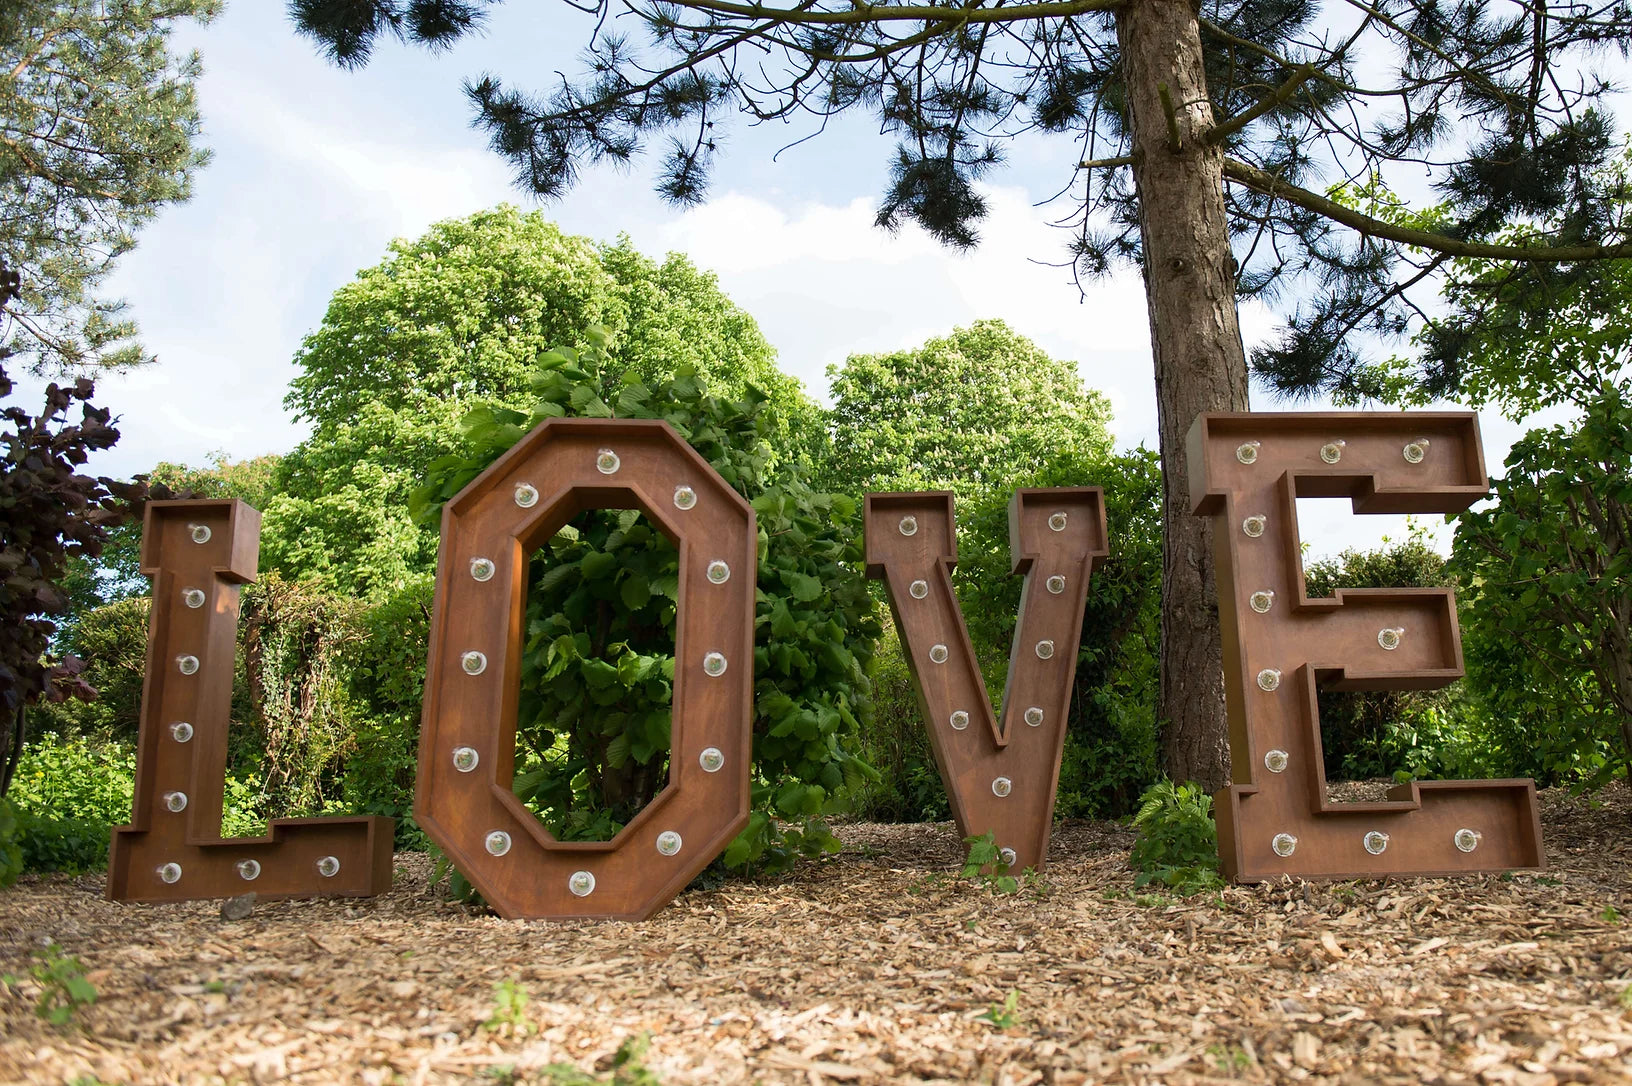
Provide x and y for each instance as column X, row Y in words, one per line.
column 315, row 170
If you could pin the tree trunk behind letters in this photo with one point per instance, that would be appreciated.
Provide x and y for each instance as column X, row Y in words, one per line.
column 1200, row 364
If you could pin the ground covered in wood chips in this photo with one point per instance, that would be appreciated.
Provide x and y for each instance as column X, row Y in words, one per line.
column 876, row 966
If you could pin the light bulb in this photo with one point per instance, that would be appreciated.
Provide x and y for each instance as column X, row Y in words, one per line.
column 711, row 760
column 1389, row 638
column 1045, row 649
column 193, row 597
column 482, row 569
column 1269, row 679
column 170, row 873
column 1262, row 600
column 1374, row 842
column 199, row 532
column 1276, row 760
column 1002, row 786
column 668, row 842
column 1007, row 856
column 466, row 759
column 684, row 497
column 175, row 802
column 526, row 495
column 959, row 721
column 1415, row 451
column 1332, row 451
column 1055, row 584
column 714, row 664
column 1247, row 452
column 473, row 662
column 328, row 866
column 937, row 654
column 497, row 843
column 1056, row 521
column 582, row 883
column 249, row 870
column 1034, row 716
column 188, row 665
column 909, row 525
column 607, row 462
column 1283, row 844
column 718, row 572
column 1253, row 526
column 181, row 731
column 1467, row 840
column 918, row 589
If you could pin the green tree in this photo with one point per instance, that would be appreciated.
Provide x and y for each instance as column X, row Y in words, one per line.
column 98, row 122
column 456, row 320
column 967, row 412
column 1213, row 130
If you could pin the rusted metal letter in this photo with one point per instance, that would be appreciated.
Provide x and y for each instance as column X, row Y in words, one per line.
column 468, row 738
column 1247, row 472
column 198, row 554
column 1000, row 778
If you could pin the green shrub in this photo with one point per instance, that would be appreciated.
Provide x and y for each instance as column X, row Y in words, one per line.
column 75, row 779
column 70, row 845
column 385, row 676
column 1178, row 841
column 909, row 786
column 112, row 640
column 598, row 662
column 1381, row 733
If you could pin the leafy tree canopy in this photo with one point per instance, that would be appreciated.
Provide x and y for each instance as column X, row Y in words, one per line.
column 1498, row 99
column 457, row 320
column 98, row 122
column 974, row 410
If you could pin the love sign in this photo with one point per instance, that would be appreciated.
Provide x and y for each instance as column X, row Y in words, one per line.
column 1001, row 767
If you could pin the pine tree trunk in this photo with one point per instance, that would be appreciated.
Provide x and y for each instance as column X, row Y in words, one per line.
column 1200, row 364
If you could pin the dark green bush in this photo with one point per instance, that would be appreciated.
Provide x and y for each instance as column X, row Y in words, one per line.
column 598, row 659
column 11, row 849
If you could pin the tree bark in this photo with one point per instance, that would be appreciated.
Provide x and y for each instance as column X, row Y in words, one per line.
column 1200, row 363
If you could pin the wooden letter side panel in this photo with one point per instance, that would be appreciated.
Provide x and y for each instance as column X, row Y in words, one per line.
column 1000, row 774
column 468, row 737
column 1247, row 472
column 199, row 553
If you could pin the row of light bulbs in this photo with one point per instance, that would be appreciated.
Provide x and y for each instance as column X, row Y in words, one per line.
column 1413, row 452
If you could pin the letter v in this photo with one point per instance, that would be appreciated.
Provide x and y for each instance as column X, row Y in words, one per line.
column 1000, row 779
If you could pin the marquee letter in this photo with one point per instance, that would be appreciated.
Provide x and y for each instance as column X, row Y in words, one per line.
column 467, row 742
column 1247, row 472
column 198, row 554
column 1000, row 779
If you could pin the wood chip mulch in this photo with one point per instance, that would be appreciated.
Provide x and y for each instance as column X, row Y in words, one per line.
column 877, row 966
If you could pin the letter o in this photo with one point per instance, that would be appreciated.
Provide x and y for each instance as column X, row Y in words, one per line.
column 562, row 468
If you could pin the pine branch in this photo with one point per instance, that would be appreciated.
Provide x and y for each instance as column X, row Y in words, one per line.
column 878, row 13
column 1220, row 132
column 1272, row 186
